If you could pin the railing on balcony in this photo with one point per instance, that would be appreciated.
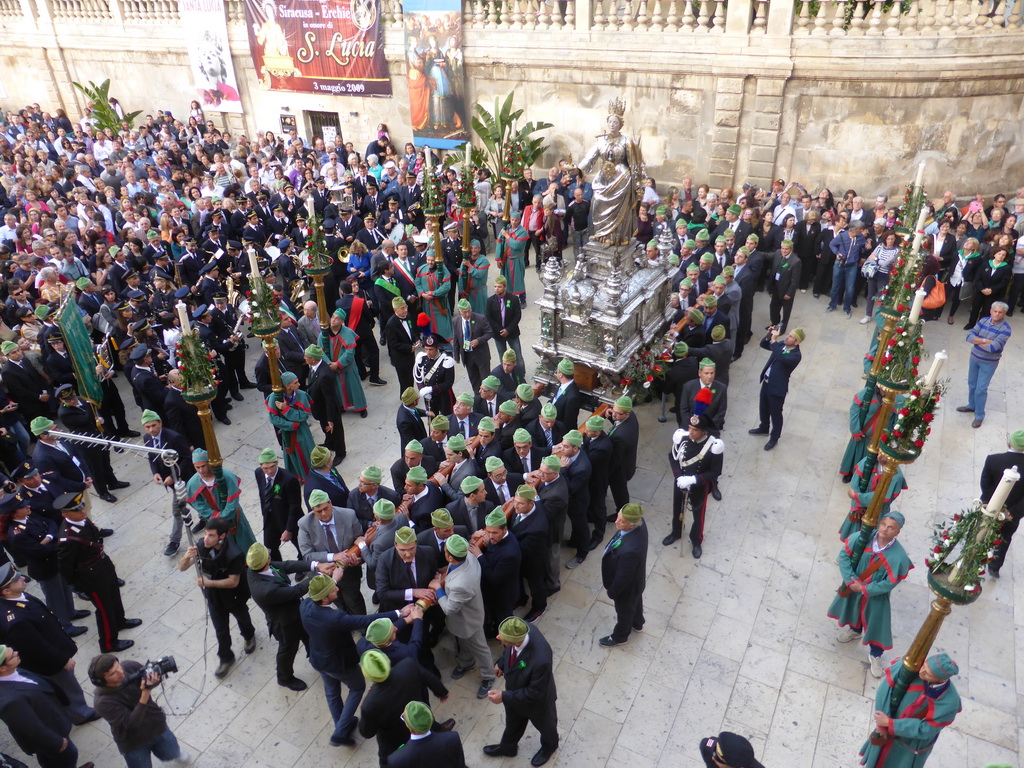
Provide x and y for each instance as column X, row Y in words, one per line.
column 838, row 18
column 10, row 9
column 146, row 11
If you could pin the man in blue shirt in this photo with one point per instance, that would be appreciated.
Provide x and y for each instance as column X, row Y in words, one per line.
column 987, row 338
column 851, row 248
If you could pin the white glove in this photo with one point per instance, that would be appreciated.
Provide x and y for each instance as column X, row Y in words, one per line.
column 678, row 435
column 426, row 391
column 717, row 446
column 686, row 481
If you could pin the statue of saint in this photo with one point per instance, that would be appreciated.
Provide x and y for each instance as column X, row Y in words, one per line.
column 618, row 182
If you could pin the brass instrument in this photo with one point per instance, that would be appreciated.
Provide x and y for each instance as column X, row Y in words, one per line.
column 234, row 297
column 343, row 254
column 105, row 361
column 236, row 331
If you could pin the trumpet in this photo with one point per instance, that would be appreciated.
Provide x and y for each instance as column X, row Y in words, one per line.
column 234, row 297
column 343, row 254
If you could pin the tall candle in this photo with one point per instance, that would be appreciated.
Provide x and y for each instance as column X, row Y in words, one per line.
column 310, row 208
column 1010, row 477
column 426, row 155
column 915, row 311
column 183, row 316
column 933, row 373
column 254, row 265
column 465, row 161
column 920, row 175
column 919, row 229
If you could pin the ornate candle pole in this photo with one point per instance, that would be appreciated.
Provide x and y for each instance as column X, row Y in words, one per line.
column 465, row 193
column 266, row 320
column 195, row 362
column 433, row 204
column 319, row 264
column 511, row 170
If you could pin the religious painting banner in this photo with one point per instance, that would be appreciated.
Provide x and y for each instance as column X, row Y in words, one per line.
column 213, row 74
column 433, row 54
column 81, row 351
column 318, row 46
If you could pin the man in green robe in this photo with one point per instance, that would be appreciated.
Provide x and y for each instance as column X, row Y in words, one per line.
column 338, row 342
column 929, row 705
column 203, row 495
column 473, row 279
column 862, row 606
column 862, row 423
column 289, row 413
column 869, row 358
column 859, row 500
column 433, row 283
column 511, row 256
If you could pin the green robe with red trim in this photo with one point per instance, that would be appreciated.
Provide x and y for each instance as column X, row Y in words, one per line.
column 439, row 282
column 859, row 504
column 916, row 727
column 341, row 349
column 292, row 430
column 473, row 284
column 869, row 358
column 862, row 422
column 870, row 610
column 205, row 501
column 511, row 260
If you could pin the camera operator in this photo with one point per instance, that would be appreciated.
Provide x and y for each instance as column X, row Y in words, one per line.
column 137, row 724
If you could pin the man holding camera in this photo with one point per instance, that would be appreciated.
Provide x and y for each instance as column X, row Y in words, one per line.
column 138, row 725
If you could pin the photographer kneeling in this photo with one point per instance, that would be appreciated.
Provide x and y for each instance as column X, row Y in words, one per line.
column 137, row 724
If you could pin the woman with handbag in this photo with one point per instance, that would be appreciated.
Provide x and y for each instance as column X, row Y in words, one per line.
column 960, row 282
column 876, row 270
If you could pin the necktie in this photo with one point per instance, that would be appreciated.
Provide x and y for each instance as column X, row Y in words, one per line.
column 465, row 428
column 616, row 537
column 501, row 303
column 547, row 436
column 412, row 575
column 465, row 331
column 500, row 489
column 332, row 543
column 490, row 407
column 270, row 483
column 512, row 656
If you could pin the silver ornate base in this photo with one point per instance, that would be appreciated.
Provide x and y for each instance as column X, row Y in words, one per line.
column 601, row 312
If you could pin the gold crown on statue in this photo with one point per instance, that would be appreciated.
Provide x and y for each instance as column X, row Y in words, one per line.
column 617, row 107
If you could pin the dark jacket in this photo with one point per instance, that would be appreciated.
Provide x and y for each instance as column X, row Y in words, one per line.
column 384, row 703
column 438, row 750
column 132, row 724
column 568, row 406
column 624, row 565
column 29, row 626
column 276, row 596
column 183, row 418
column 35, row 715
column 513, row 314
column 335, row 487
column 781, row 366
column 393, row 576
column 331, row 648
column 530, row 682
column 409, row 423
column 625, row 437
column 283, row 501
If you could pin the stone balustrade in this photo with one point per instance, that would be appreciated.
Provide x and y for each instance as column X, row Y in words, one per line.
column 81, row 10
column 149, row 11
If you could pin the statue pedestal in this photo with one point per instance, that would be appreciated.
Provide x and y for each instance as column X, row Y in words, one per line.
column 601, row 313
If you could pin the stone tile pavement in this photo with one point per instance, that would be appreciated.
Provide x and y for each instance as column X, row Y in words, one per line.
column 736, row 641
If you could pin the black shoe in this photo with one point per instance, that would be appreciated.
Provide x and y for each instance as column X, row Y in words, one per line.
column 171, row 549
column 567, row 542
column 846, row 478
column 131, row 623
column 118, row 646
column 716, row 494
column 228, row 406
column 540, row 758
column 595, row 542
column 521, row 601
column 533, row 616
column 697, row 551
column 375, row 599
column 109, row 498
column 120, row 582
column 294, row 684
column 576, row 562
column 771, row 444
column 118, row 485
column 377, row 381
column 496, row 750
column 245, row 384
column 757, row 431
column 342, row 741
column 237, row 396
column 671, row 539
column 964, row 409
column 610, row 642
column 225, row 421
column 363, row 414
column 611, row 518
column 75, row 631
column 447, row 726
column 993, row 571
column 199, row 526
column 90, row 719
column 223, row 668
column 80, row 615
column 106, row 533
column 459, row 672
column 968, row 327
column 129, row 433
column 250, row 644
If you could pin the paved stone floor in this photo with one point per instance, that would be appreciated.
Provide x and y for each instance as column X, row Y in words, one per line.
column 736, row 641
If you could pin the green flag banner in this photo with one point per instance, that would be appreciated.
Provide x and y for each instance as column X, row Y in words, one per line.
column 80, row 349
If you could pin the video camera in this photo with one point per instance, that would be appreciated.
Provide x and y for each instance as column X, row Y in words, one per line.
column 163, row 666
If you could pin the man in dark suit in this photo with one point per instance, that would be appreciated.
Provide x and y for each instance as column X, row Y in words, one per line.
column 500, row 564
column 553, row 494
column 151, row 391
column 547, row 431
column 442, row 526
column 745, row 276
column 504, row 313
column 624, row 573
column 279, row 599
column 425, row 747
column 784, row 280
column 576, row 471
column 325, row 535
column 500, row 483
column 367, row 493
column 472, row 509
column 991, row 474
column 62, row 458
column 733, row 223
column 33, row 710
column 412, row 457
column 531, row 528
column 321, row 386
column 713, row 398
column 25, row 384
column 78, row 416
column 463, row 421
column 599, row 450
column 472, row 332
column 182, row 417
column 290, row 348
column 625, row 435
column 426, row 497
column 409, row 420
column 404, row 572
column 167, row 439
column 527, row 664
column 280, row 503
column 566, row 399
column 324, row 477
column 332, row 652
column 402, row 337
column 523, row 457
column 775, row 375
column 719, row 350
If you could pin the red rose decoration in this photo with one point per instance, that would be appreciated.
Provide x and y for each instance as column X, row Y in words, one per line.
column 919, row 443
column 928, row 418
column 937, row 550
column 915, row 360
column 915, row 392
column 904, row 411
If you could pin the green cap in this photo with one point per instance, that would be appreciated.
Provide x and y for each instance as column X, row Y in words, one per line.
column 319, row 457
column 710, row 301
column 501, row 280
column 456, row 546
column 495, row 518
column 552, row 463
column 799, row 333
column 470, row 484
column 574, row 437
column 376, row 666
column 720, row 280
column 40, row 424
column 1016, row 440
column 397, row 302
column 522, row 436
column 320, row 586
column 729, row 271
column 754, row 238
column 707, row 362
column 267, row 455
column 680, row 349
column 695, row 315
column 513, row 630
column 720, row 240
column 409, row 396
column 457, row 442
column 566, row 367
column 687, row 282
column 341, row 313
column 787, row 243
column 379, row 631
column 527, row 492
column 486, row 424
column 597, row 423
column 405, row 535
column 384, row 509
column 691, row 244
column 418, row 717
column 318, row 497
column 509, row 356
column 287, row 377
column 313, row 352
column 896, row 517
column 439, row 423
column 673, row 259
column 7, row 347
column 718, row 333
column 42, row 311
column 624, row 403
column 706, row 258
column 441, row 518
column 148, row 416
column 492, row 383
column 82, row 283
column 632, row 513
column 372, row 474
column 417, row 475
column 508, row 408
column 200, row 454
column 662, row 209
column 652, row 243
column 525, row 393
column 549, row 411
column 257, row 557
column 463, row 304
column 414, row 446
column 703, row 236
column 152, row 234
column 492, row 463
column 735, row 210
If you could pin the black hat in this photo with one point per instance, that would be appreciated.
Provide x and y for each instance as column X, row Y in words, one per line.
column 181, row 293
column 139, row 352
column 283, row 243
column 371, row 182
column 702, row 422
column 278, row 207
column 64, row 390
column 68, row 502
column 208, row 267
column 247, row 238
column 25, row 469
column 161, row 255
column 370, row 216
column 261, row 196
column 253, row 215
column 55, row 338
column 430, row 341
column 163, row 274
column 190, row 241
column 122, row 307
column 138, row 327
column 216, row 212
column 329, row 225
column 300, row 217
column 733, row 750
column 130, row 274
column 234, row 244
column 221, row 296
column 199, row 311
column 321, row 180
column 10, row 504
column 135, row 295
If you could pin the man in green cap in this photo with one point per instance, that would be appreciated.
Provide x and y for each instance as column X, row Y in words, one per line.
column 459, row 597
column 386, row 521
column 733, row 223
column 567, row 397
column 487, row 446
column 527, row 664
column 409, row 420
column 624, row 573
column 423, row 496
column 784, row 280
column 289, row 415
column 402, row 336
column 510, row 374
column 746, row 272
column 325, row 405
column 625, row 435
column 532, row 530
column 470, row 345
column 504, row 313
column 510, row 256
column 576, row 471
column 529, row 405
column 460, row 459
column 280, row 502
column 425, row 747
column 486, row 401
column 692, row 333
column 472, row 507
column 706, row 395
column 368, row 491
column 325, row 535
column 991, row 474
column 279, row 600
column 718, row 350
column 785, row 357
column 433, row 446
column 862, row 607
column 442, row 528
column 338, row 342
column 463, row 421
column 473, row 278
column 553, row 496
column 324, row 477
column 547, row 431
column 413, row 456
column 210, row 500
column 599, row 450
column 930, row 704
column 524, row 457
column 500, row 563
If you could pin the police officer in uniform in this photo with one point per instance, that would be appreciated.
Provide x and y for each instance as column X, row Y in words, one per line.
column 225, row 318
column 218, row 344
column 696, row 461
